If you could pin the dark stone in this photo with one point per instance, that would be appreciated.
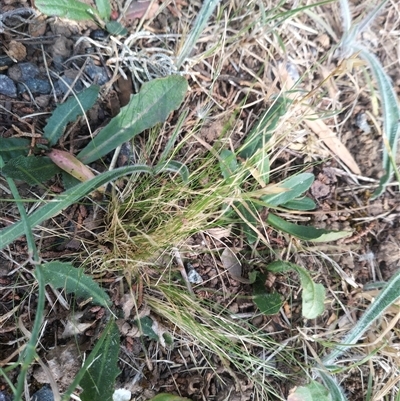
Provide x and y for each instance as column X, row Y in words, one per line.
column 44, row 394
column 4, row 396
column 97, row 74
column 23, row 71
column 7, row 86
column 35, row 86
column 99, row 34
column 65, row 82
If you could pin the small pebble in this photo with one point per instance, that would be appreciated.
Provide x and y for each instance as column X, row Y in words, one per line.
column 362, row 123
column 5, row 61
column 99, row 34
column 4, row 396
column 35, row 86
column 64, row 83
column 97, row 74
column 44, row 394
column 23, row 71
column 7, row 86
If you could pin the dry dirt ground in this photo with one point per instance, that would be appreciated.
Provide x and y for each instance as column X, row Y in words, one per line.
column 372, row 254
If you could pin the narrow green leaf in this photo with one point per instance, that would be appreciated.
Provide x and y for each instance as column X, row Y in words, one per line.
column 89, row 360
column 155, row 101
column 295, row 186
column 104, row 9
column 74, row 280
column 313, row 391
column 99, row 380
column 300, row 204
column 313, row 296
column 333, row 387
column 146, row 325
column 305, row 233
column 71, row 9
column 54, row 207
column 173, row 166
column 261, row 163
column 249, row 212
column 267, row 303
column 30, row 169
column 386, row 297
column 260, row 134
column 68, row 112
column 228, row 163
column 11, row 148
column 115, row 28
column 199, row 24
column 391, row 116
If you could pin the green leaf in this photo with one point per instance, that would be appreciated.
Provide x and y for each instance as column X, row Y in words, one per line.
column 115, row 28
column 68, row 112
column 146, row 325
column 11, row 148
column 267, row 303
column 313, row 294
column 260, row 134
column 300, row 204
column 228, row 163
column 386, row 297
column 314, row 391
column 71, row 9
column 73, row 280
column 249, row 213
column 334, row 390
column 261, row 163
column 30, row 169
column 68, row 181
column 99, row 380
column 168, row 397
column 391, row 117
column 294, row 187
column 173, row 166
column 306, row 233
column 104, row 9
column 151, row 105
column 51, row 209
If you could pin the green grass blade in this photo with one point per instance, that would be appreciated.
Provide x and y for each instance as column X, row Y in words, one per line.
column 29, row 353
column 333, row 387
column 198, row 26
column 387, row 296
column 69, row 197
column 391, row 116
column 173, row 166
